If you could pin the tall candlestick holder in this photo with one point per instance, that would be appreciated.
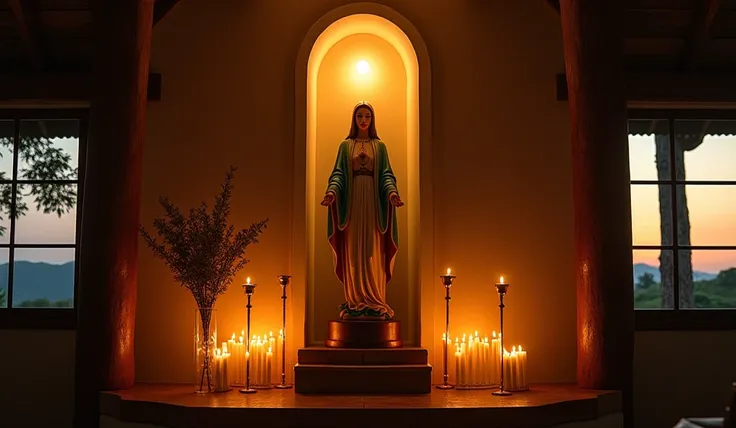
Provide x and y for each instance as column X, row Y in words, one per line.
column 502, row 289
column 248, row 289
column 283, row 281
column 447, row 283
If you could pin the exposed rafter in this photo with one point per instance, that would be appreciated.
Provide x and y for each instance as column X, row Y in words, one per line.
column 28, row 87
column 29, row 31
column 643, row 88
column 705, row 12
column 161, row 8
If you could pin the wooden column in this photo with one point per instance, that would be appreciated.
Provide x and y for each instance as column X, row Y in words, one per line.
column 592, row 33
column 108, row 276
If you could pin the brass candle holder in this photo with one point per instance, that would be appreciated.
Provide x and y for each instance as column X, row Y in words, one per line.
column 447, row 280
column 283, row 281
column 502, row 289
column 249, row 289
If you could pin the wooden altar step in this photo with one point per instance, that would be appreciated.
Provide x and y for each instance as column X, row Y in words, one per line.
column 322, row 370
column 177, row 406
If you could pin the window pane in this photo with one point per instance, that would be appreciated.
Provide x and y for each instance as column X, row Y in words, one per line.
column 649, row 150
column 651, row 267
column 708, row 279
column 43, row 278
column 709, row 147
column 4, row 252
column 5, row 201
column 48, row 149
column 7, row 133
column 651, row 214
column 48, row 214
column 706, row 215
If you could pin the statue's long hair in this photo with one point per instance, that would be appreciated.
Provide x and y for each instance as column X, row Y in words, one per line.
column 372, row 133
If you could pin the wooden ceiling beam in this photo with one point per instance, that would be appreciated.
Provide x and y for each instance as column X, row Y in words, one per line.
column 27, row 22
column 161, row 8
column 59, row 87
column 704, row 14
column 642, row 88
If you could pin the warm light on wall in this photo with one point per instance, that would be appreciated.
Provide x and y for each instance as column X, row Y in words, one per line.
column 363, row 67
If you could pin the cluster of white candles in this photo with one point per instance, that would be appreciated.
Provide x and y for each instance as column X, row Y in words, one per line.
column 514, row 369
column 478, row 363
column 261, row 360
column 219, row 370
column 266, row 352
column 238, row 357
column 477, row 360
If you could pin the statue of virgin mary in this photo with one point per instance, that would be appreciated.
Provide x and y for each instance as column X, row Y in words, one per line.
column 361, row 224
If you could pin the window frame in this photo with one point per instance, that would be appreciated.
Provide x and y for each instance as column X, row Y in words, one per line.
column 48, row 318
column 677, row 319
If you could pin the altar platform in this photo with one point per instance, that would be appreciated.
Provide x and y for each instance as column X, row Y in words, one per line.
column 176, row 406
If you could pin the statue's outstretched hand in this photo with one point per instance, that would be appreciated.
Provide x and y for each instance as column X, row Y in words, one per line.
column 328, row 200
column 396, row 200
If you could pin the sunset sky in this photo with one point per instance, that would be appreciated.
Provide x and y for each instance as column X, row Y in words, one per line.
column 712, row 208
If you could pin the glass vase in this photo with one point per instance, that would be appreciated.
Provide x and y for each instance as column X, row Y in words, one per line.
column 205, row 339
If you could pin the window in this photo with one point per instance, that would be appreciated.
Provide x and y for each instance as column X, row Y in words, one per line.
column 683, row 204
column 40, row 157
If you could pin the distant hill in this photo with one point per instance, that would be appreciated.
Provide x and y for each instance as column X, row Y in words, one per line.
column 642, row 268
column 36, row 280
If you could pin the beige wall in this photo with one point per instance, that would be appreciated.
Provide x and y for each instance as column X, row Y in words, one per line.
column 502, row 193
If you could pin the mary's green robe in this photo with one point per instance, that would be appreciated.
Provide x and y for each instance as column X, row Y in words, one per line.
column 340, row 183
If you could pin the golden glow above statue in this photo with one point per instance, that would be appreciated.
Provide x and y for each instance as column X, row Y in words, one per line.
column 361, row 226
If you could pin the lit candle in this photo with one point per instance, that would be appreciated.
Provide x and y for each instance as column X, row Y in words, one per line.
column 219, row 371
column 233, row 351
column 522, row 368
column 457, row 361
column 253, row 360
column 471, row 360
column 271, row 348
column 512, row 367
column 507, row 372
column 264, row 348
column 256, row 363
column 236, row 360
column 463, row 362
column 499, row 355
column 486, row 363
column 269, row 362
column 224, row 370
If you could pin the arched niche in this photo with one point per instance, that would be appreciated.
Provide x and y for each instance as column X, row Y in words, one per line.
column 385, row 23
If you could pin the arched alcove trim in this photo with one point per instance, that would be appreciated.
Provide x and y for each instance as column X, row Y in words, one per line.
column 384, row 22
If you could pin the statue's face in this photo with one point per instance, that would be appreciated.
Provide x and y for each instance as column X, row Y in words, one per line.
column 363, row 118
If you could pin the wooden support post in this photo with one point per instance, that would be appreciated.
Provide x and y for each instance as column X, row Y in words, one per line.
column 592, row 33
column 111, row 204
